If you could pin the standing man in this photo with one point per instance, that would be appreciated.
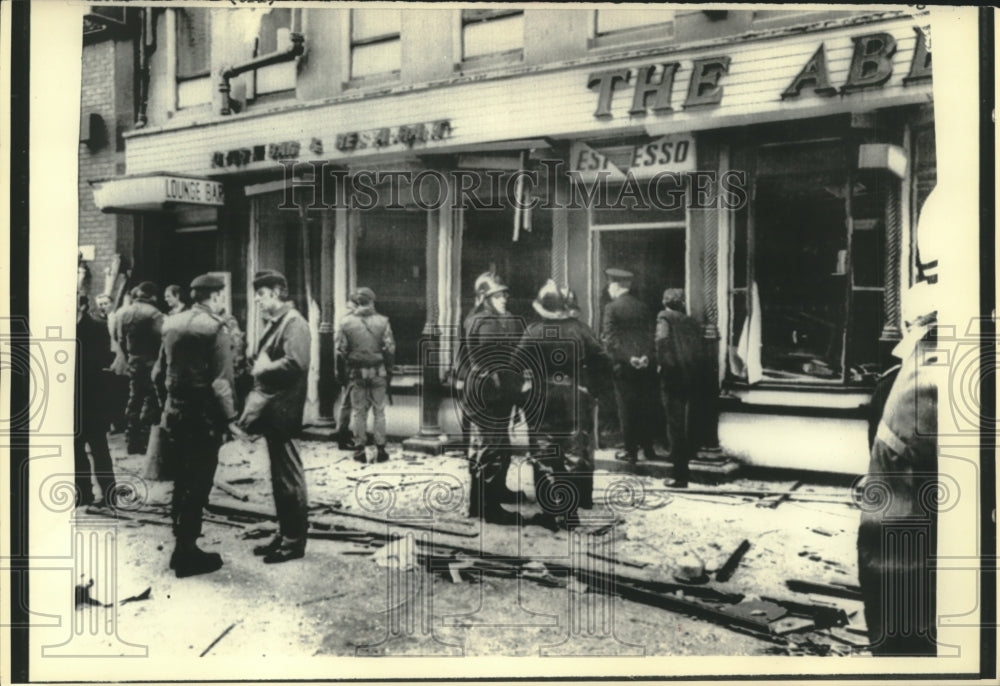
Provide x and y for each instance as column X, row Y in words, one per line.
column 345, row 437
column 195, row 370
column 172, row 297
column 572, row 365
column 366, row 345
column 138, row 327
column 279, row 376
column 680, row 357
column 627, row 333
column 92, row 415
column 492, row 386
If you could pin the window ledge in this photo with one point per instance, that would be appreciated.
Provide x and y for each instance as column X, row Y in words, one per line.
column 656, row 33
column 496, row 59
column 372, row 80
column 831, row 397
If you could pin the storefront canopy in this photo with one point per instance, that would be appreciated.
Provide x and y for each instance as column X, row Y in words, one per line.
column 152, row 192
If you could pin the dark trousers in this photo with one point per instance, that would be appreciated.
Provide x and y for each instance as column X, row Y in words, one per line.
column 678, row 406
column 636, row 398
column 344, row 415
column 102, row 467
column 194, row 451
column 288, row 481
column 142, row 407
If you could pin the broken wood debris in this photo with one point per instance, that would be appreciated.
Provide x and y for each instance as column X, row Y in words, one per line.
column 836, row 590
column 217, row 639
column 231, row 492
column 617, row 560
column 781, row 498
column 725, row 572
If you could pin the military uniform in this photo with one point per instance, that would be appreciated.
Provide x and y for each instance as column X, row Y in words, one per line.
column 92, row 412
column 364, row 341
column 572, row 365
column 138, row 329
column 627, row 333
column 195, row 369
column 492, row 386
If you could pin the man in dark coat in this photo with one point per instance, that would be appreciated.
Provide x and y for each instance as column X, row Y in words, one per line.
column 627, row 333
column 492, row 385
column 138, row 333
column 280, row 375
column 366, row 345
column 569, row 366
column 92, row 412
column 680, row 357
column 195, row 372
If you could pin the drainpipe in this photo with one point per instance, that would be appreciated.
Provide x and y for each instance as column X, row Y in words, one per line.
column 297, row 49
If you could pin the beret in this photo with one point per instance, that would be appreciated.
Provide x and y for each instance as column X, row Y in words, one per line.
column 618, row 274
column 208, row 282
column 269, row 278
column 366, row 292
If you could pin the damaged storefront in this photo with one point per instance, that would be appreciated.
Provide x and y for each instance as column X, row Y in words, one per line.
column 775, row 176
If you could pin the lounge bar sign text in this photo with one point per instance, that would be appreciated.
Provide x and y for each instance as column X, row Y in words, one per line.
column 871, row 67
column 193, row 191
column 382, row 138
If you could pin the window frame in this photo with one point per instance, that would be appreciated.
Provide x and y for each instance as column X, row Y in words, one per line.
column 207, row 71
column 296, row 21
column 851, row 175
column 483, row 16
column 653, row 33
column 351, row 43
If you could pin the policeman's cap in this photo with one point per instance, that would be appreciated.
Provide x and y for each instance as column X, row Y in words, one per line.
column 269, row 278
column 615, row 274
column 207, row 282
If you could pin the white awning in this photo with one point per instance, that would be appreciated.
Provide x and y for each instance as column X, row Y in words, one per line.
column 154, row 192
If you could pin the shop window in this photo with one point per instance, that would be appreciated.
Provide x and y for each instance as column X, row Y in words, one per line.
column 193, row 40
column 616, row 26
column 375, row 43
column 493, row 32
column 807, row 269
column 390, row 258
column 924, row 181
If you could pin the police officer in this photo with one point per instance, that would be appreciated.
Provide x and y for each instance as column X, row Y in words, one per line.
column 196, row 373
column 492, row 385
column 569, row 365
column 138, row 332
column 627, row 333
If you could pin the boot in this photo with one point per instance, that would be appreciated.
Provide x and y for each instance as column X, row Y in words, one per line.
column 268, row 547
column 494, row 514
column 190, row 561
column 382, row 455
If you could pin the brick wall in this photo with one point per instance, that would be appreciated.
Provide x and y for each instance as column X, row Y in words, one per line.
column 100, row 91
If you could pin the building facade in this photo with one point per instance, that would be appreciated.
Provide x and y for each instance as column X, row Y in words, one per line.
column 772, row 163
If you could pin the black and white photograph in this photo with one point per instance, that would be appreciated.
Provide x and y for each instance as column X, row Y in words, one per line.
column 518, row 333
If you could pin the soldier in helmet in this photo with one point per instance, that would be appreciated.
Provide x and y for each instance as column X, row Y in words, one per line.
column 195, row 373
column 491, row 389
column 569, row 367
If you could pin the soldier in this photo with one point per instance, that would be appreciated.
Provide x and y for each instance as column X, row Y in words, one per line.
column 680, row 359
column 627, row 333
column 138, row 332
column 573, row 366
column 345, row 437
column 492, row 386
column 280, row 377
column 195, row 373
column 366, row 345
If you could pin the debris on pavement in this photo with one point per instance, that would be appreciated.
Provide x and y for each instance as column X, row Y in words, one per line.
column 83, row 598
column 834, row 589
column 145, row 595
column 218, row 638
column 726, row 571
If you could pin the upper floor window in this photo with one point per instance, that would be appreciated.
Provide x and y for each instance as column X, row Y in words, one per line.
column 274, row 34
column 615, row 26
column 375, row 44
column 491, row 32
column 194, row 36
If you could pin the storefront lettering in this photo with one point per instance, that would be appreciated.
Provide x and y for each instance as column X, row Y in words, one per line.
column 192, row 191
column 388, row 136
column 871, row 66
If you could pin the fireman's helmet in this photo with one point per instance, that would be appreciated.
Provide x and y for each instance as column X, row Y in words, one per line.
column 489, row 284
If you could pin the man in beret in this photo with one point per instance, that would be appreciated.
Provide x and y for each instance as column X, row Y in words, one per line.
column 627, row 333
column 194, row 375
column 280, row 375
column 365, row 343
column 681, row 362
column 138, row 333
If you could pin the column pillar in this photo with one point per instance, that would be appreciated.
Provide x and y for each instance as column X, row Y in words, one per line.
column 327, row 371
column 712, row 218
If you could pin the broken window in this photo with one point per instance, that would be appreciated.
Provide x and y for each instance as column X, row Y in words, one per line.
column 807, row 268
